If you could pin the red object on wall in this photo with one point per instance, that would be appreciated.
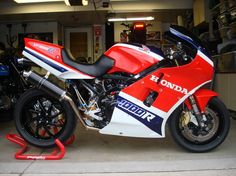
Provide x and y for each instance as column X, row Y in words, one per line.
column 97, row 30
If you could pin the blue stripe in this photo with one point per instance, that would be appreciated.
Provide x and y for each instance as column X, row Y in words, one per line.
column 152, row 121
column 190, row 40
column 205, row 52
column 55, row 66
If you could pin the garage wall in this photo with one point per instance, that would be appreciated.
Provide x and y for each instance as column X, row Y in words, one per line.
column 33, row 27
column 225, row 86
column 156, row 26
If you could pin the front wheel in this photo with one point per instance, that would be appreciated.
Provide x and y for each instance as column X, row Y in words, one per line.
column 188, row 134
column 40, row 119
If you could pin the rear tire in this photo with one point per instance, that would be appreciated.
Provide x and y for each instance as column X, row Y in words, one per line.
column 218, row 125
column 40, row 119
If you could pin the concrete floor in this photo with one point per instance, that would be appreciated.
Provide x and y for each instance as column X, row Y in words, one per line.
column 93, row 154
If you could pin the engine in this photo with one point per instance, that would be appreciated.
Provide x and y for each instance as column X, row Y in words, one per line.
column 98, row 106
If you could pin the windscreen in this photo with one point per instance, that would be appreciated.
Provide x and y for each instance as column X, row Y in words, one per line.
column 188, row 37
column 191, row 43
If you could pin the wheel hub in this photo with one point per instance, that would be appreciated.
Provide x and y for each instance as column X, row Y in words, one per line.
column 194, row 133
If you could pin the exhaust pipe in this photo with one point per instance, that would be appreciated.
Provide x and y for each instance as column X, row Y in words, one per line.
column 25, row 62
column 43, row 84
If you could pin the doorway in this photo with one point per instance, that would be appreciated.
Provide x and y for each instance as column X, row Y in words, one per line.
column 79, row 42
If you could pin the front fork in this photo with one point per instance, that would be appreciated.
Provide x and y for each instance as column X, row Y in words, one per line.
column 198, row 102
column 198, row 114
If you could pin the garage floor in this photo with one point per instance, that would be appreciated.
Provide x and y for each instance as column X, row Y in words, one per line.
column 93, row 154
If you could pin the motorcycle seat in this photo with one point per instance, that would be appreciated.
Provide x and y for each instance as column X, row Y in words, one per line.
column 97, row 69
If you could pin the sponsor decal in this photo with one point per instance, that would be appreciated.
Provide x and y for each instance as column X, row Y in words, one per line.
column 145, row 48
column 46, row 61
column 45, row 48
column 36, row 157
column 169, row 85
column 51, row 50
column 149, row 119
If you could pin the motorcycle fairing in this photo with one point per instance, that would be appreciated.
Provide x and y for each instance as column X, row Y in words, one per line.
column 131, row 58
column 184, row 35
column 127, row 121
column 49, row 57
column 175, row 86
column 4, row 70
column 142, row 114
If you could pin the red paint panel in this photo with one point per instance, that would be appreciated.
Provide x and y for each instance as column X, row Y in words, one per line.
column 129, row 60
column 172, row 85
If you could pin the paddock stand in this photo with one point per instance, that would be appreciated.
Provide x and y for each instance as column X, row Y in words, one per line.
column 56, row 154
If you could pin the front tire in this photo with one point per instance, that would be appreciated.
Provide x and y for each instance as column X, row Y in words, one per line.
column 187, row 133
column 40, row 119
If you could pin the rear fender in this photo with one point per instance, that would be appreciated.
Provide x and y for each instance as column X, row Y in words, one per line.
column 202, row 97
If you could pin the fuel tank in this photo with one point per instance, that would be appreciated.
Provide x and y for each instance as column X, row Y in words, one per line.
column 132, row 58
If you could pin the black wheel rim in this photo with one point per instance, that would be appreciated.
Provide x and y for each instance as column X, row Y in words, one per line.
column 43, row 118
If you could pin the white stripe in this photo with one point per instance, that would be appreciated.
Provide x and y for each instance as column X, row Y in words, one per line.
column 205, row 58
column 140, row 103
column 199, row 52
column 122, row 124
column 159, row 112
column 150, row 53
column 152, row 109
column 84, row 76
column 41, row 63
column 185, row 97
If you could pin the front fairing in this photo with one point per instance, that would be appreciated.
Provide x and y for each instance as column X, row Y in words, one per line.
column 189, row 40
column 172, row 85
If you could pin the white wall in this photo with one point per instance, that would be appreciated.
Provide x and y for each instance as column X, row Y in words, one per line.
column 225, row 86
column 33, row 27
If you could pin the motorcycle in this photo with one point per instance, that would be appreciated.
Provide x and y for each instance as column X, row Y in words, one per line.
column 12, row 84
column 131, row 90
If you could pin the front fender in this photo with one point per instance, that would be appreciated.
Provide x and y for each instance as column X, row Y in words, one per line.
column 202, row 97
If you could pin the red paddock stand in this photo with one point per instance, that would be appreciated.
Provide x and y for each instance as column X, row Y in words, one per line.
column 56, row 154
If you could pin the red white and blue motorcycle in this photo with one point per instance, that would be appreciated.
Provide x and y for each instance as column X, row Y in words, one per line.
column 131, row 90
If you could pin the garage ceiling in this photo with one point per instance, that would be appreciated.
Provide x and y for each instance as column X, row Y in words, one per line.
column 165, row 10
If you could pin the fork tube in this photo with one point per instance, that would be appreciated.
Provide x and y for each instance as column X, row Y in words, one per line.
column 196, row 110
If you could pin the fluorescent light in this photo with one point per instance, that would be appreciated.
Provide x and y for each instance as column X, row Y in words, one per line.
column 35, row 1
column 76, row 2
column 67, row 2
column 131, row 19
column 116, row 19
column 85, row 2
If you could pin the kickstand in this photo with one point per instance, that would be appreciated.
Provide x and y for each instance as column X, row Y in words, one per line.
column 55, row 155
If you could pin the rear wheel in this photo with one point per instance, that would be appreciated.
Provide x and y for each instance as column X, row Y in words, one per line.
column 187, row 133
column 40, row 119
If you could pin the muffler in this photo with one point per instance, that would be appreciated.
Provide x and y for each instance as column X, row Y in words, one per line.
column 43, row 84
column 55, row 91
